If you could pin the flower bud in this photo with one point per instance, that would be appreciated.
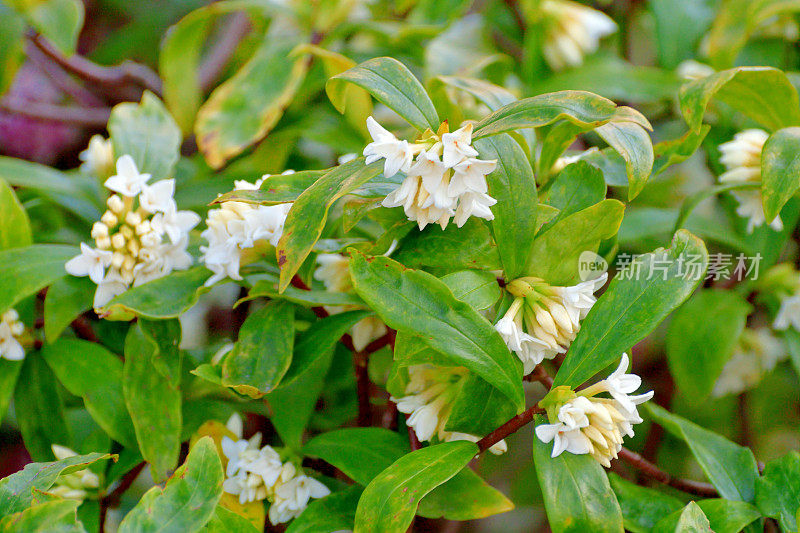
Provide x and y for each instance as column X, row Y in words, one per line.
column 99, row 230
column 115, row 203
column 109, row 219
column 118, row 241
column 127, row 231
column 133, row 219
column 117, row 259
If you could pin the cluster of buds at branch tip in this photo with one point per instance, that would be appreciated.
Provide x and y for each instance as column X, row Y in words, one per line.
column 584, row 423
column 446, row 180
column 543, row 320
column 141, row 236
column 12, row 336
column 255, row 473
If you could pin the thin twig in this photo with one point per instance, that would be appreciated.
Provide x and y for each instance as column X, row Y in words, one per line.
column 512, row 426
column 361, row 366
column 127, row 74
column 59, row 77
column 92, row 117
column 83, row 329
column 220, row 54
column 413, row 440
column 652, row 471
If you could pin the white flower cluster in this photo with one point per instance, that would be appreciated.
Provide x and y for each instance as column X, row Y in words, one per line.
column 75, row 485
column 757, row 353
column 238, row 232
column 741, row 158
column 256, row 473
column 543, row 320
column 588, row 424
column 446, row 180
column 573, row 32
column 334, row 272
column 11, row 329
column 428, row 399
column 141, row 237
column 98, row 158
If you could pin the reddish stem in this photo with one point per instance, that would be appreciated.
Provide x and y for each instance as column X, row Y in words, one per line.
column 652, row 471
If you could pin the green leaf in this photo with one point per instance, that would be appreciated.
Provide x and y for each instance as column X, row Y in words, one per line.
column 464, row 496
column 306, row 219
column 764, row 94
column 730, row 468
column 697, row 350
column 292, row 404
column 168, row 359
column 490, row 95
column 225, row 521
column 269, row 288
column 453, row 248
column 780, row 170
column 717, row 515
column 556, row 250
column 90, row 371
column 467, row 417
column 415, row 302
column 672, row 152
column 317, row 341
column 513, row 186
column 633, row 143
column 58, row 516
column 181, row 55
column 263, row 353
column 41, row 416
column 478, row 288
column 691, row 519
column 393, row 85
column 15, row 228
column 631, row 308
column 12, row 32
column 641, row 507
column 361, row 453
column 167, row 297
column 390, row 501
column 247, row 106
column 153, row 403
column 66, row 299
column 148, row 133
column 26, row 270
column 17, row 490
column 9, row 373
column 59, row 21
column 577, row 495
column 188, row 500
column 576, row 187
column 579, row 107
column 778, row 490
column 276, row 189
column 335, row 512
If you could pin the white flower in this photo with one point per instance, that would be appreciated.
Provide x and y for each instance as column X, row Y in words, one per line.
column 127, row 181
column 573, row 31
column 176, row 224
column 741, row 156
column 75, row 485
column 110, row 286
column 579, row 299
column 474, row 204
column 236, row 227
column 469, row 175
column 693, row 70
column 10, row 331
column 90, row 262
column 98, row 158
column 757, row 353
column 158, row 197
column 291, row 497
column 386, row 146
column 751, row 208
column 788, row 314
column 530, row 350
column 590, row 424
column 456, row 146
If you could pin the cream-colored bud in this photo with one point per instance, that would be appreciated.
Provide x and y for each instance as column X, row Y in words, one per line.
column 118, row 241
column 109, row 219
column 117, row 259
column 99, row 230
column 133, row 219
column 143, row 227
column 103, row 243
column 133, row 247
column 10, row 316
column 115, row 203
column 126, row 275
column 127, row 231
column 545, row 320
column 17, row 329
column 129, row 263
